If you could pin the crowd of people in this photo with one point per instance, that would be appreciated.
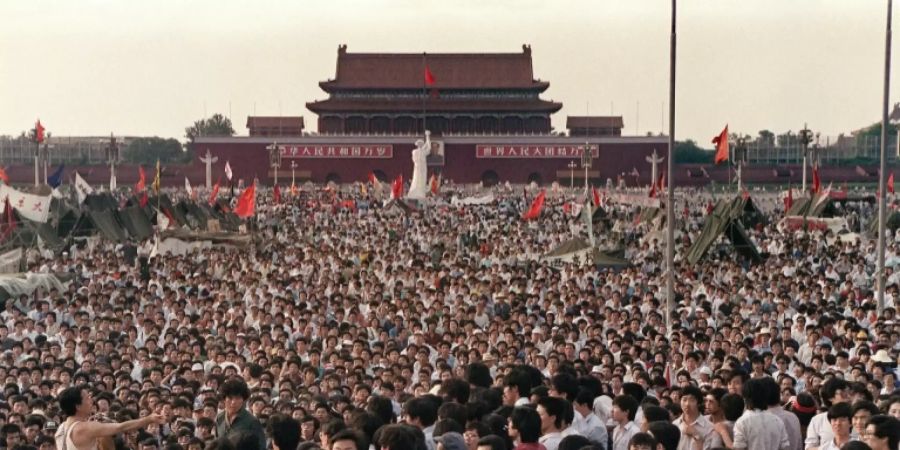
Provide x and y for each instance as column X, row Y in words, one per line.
column 350, row 324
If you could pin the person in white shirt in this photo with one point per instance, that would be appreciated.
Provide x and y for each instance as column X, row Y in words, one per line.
column 586, row 423
column 819, row 430
column 758, row 429
column 696, row 430
column 552, row 411
column 623, row 411
column 839, row 416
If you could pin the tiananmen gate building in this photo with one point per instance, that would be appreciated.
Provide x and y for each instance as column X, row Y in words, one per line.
column 487, row 120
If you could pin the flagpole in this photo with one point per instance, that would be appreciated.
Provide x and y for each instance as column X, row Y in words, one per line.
column 883, row 163
column 670, row 203
column 424, row 91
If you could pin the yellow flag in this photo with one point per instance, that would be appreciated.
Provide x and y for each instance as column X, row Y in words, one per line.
column 156, row 180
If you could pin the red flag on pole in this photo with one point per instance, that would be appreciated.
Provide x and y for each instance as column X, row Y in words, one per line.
column 397, row 187
column 144, row 199
column 39, row 132
column 429, row 77
column 142, row 180
column 816, row 182
column 721, row 142
column 535, row 211
column 246, row 205
column 596, row 196
column 215, row 192
column 276, row 194
column 890, row 183
column 652, row 193
column 3, row 175
column 435, row 185
column 789, row 200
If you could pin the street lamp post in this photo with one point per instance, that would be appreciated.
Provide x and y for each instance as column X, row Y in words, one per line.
column 572, row 165
column 805, row 140
column 740, row 150
column 586, row 160
column 293, row 168
column 112, row 157
column 274, row 158
column 879, row 272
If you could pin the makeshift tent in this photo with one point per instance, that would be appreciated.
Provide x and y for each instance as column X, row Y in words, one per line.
column 101, row 201
column 580, row 248
column 136, row 222
column 724, row 219
column 16, row 284
column 107, row 223
column 815, row 206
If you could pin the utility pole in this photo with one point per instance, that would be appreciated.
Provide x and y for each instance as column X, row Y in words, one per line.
column 805, row 140
column 882, row 186
column 670, row 213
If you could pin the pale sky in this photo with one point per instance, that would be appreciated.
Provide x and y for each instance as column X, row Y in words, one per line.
column 90, row 67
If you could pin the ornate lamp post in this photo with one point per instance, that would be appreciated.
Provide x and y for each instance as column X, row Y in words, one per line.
column 293, row 169
column 586, row 160
column 805, row 139
column 112, row 157
column 572, row 165
column 740, row 152
column 274, row 158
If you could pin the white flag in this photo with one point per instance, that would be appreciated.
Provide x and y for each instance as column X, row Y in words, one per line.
column 32, row 207
column 187, row 187
column 162, row 220
column 228, row 173
column 82, row 188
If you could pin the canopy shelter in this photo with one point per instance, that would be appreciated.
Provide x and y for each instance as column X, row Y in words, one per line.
column 725, row 219
column 580, row 248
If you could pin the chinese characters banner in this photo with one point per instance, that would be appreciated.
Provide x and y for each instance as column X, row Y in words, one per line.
column 382, row 151
column 533, row 151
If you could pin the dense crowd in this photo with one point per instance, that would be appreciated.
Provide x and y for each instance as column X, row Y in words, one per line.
column 350, row 325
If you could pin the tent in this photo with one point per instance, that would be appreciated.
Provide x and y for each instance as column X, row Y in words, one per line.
column 580, row 248
column 107, row 223
column 725, row 219
column 136, row 222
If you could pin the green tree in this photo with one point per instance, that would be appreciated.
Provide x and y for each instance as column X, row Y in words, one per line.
column 217, row 125
column 688, row 152
column 147, row 150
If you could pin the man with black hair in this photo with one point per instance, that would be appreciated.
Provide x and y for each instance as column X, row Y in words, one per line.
column 883, row 433
column 421, row 413
column 284, row 432
column 790, row 420
column 78, row 431
column 552, row 411
column 840, row 416
column 757, row 428
column 585, row 422
column 696, row 430
column 819, row 430
column 667, row 435
column 623, row 412
column 525, row 428
column 235, row 417
column 348, row 440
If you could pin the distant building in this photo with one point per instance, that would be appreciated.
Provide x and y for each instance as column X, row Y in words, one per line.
column 275, row 125
column 387, row 93
column 594, row 125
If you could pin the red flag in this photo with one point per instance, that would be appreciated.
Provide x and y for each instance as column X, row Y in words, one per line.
column 435, row 185
column 246, row 205
column 652, row 193
column 789, row 200
column 276, row 194
column 3, row 175
column 662, row 182
column 397, row 187
column 744, row 194
column 721, row 142
column 144, row 199
column 817, row 183
column 142, row 180
column 890, row 183
column 39, row 132
column 215, row 192
column 596, row 196
column 429, row 77
column 535, row 211
column 567, row 208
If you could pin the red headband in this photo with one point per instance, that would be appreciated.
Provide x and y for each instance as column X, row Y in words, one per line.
column 797, row 407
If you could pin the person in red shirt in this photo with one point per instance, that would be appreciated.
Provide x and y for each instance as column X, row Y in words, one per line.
column 525, row 428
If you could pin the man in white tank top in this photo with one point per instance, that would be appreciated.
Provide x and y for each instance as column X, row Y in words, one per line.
column 79, row 432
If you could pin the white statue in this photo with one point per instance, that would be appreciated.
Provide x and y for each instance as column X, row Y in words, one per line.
column 418, row 185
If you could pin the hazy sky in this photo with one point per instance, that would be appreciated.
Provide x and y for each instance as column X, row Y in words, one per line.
column 153, row 67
